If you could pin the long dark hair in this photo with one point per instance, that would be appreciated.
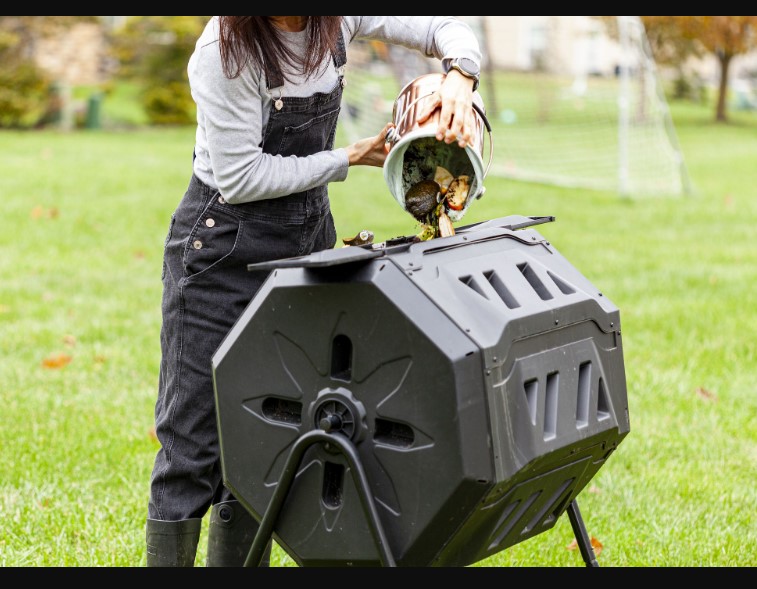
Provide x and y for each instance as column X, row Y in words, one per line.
column 256, row 41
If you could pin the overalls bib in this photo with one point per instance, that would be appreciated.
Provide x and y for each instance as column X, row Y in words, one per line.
column 207, row 288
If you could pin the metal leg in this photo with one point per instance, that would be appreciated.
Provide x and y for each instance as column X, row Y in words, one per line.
column 267, row 526
column 582, row 536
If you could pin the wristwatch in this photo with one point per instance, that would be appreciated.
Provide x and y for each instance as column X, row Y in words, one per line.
column 469, row 68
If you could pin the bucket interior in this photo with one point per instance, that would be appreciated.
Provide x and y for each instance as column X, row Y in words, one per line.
column 416, row 158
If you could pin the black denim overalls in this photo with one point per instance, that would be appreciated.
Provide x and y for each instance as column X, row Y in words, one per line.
column 207, row 288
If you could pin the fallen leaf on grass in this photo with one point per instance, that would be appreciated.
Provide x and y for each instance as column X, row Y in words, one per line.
column 43, row 213
column 153, row 435
column 140, row 255
column 594, row 490
column 57, row 361
column 69, row 341
column 706, row 395
column 595, row 544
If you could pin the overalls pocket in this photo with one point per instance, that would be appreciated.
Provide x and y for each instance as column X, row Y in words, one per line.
column 213, row 240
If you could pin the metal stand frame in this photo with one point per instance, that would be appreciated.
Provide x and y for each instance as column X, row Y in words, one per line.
column 265, row 534
column 582, row 536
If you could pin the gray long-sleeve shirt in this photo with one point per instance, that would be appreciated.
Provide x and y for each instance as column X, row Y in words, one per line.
column 232, row 114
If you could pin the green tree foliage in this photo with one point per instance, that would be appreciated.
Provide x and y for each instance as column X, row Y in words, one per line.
column 24, row 95
column 24, row 88
column 155, row 50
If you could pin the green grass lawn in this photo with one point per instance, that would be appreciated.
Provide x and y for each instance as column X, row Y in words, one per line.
column 85, row 220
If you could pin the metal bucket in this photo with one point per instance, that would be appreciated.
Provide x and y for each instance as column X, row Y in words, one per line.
column 415, row 153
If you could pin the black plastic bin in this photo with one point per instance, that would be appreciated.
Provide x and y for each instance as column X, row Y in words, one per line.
column 421, row 404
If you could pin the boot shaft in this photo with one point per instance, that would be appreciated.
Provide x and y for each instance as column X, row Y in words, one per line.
column 172, row 544
column 231, row 535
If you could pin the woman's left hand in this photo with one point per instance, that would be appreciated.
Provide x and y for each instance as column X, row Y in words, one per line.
column 370, row 152
column 455, row 98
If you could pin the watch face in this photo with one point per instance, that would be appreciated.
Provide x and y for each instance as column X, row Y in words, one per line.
column 469, row 66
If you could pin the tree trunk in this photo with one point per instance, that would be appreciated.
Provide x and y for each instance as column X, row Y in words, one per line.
column 725, row 65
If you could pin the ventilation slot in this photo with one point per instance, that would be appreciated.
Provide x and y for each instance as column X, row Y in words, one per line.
column 333, row 485
column 584, row 396
column 507, row 522
column 553, row 506
column 532, row 398
column 515, row 517
column 563, row 505
column 551, row 407
column 535, row 282
column 564, row 287
column 394, row 434
column 341, row 359
column 501, row 290
column 530, row 511
column 471, row 283
column 280, row 411
column 604, row 402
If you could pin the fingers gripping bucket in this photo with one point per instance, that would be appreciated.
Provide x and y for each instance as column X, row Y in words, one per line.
column 415, row 153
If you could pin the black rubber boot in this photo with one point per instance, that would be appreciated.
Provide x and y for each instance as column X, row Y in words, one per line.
column 172, row 544
column 232, row 532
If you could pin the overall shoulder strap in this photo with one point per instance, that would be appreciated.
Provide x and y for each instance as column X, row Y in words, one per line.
column 340, row 57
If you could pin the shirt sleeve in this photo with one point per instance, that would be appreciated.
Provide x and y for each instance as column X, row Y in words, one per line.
column 443, row 37
column 231, row 111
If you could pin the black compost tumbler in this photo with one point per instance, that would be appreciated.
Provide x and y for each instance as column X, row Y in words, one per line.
column 420, row 404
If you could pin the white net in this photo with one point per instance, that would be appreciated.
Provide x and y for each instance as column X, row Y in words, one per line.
column 573, row 101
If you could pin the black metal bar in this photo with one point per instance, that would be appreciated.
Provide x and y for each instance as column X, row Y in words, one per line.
column 582, row 536
column 284, row 487
column 366, row 496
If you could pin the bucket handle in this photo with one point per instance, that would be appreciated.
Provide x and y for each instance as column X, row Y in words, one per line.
column 393, row 138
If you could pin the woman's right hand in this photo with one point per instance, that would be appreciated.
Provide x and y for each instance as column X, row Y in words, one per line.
column 370, row 152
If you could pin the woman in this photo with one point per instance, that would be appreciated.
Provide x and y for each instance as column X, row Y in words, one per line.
column 268, row 91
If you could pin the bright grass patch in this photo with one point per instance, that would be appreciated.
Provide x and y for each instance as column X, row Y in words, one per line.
column 85, row 219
